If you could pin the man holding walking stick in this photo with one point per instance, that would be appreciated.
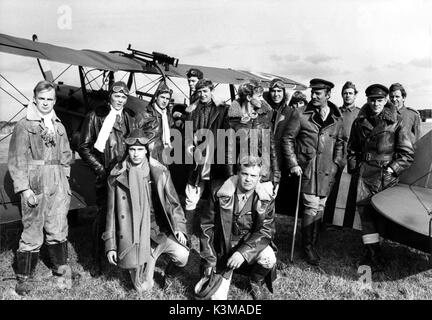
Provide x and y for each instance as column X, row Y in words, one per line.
column 313, row 146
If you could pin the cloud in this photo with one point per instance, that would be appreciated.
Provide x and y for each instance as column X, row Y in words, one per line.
column 197, row 50
column 421, row 62
column 370, row 69
column 319, row 58
column 285, row 58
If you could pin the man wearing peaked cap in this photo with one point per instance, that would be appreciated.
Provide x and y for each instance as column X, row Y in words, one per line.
column 102, row 145
column 376, row 91
column 320, row 84
column 410, row 116
column 314, row 150
column 378, row 157
column 138, row 230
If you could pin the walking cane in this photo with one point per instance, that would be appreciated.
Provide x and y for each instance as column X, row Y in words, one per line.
column 295, row 219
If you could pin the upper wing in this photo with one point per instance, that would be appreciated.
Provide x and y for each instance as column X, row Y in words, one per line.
column 89, row 58
column 115, row 62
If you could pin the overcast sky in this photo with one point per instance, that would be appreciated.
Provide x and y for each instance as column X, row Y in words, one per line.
column 379, row 41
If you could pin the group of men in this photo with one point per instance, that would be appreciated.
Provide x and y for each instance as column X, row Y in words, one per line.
column 140, row 215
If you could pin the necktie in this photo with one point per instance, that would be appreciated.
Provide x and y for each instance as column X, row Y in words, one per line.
column 242, row 202
column 323, row 114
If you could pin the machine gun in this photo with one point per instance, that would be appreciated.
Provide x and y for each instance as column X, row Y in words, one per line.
column 155, row 57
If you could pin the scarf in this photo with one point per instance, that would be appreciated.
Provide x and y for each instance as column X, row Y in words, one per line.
column 47, row 120
column 166, row 137
column 140, row 207
column 106, row 129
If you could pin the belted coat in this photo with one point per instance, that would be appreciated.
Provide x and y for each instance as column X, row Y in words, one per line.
column 122, row 227
column 376, row 144
column 317, row 149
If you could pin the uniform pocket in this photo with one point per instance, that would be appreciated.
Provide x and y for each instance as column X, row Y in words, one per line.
column 35, row 180
column 245, row 221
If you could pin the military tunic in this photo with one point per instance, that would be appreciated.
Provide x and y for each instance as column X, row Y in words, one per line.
column 411, row 119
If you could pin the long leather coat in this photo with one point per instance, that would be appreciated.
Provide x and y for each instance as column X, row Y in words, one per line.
column 375, row 145
column 216, row 121
column 262, row 123
column 317, row 150
column 120, row 225
column 257, row 226
column 115, row 147
column 151, row 120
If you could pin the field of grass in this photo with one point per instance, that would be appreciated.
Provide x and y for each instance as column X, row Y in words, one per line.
column 407, row 276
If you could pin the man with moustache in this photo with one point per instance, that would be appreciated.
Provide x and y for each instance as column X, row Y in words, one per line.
column 410, row 116
column 379, row 150
column 314, row 148
column 102, row 145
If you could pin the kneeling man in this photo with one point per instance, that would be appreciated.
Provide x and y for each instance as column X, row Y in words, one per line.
column 139, row 227
column 238, row 230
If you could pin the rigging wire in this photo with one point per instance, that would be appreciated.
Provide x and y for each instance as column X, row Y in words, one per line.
column 14, row 87
column 62, row 73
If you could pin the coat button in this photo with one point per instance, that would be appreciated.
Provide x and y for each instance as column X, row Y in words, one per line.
column 122, row 216
column 124, row 198
column 121, row 236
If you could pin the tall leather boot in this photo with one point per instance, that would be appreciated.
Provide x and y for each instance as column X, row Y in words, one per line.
column 58, row 254
column 257, row 279
column 373, row 257
column 98, row 245
column 26, row 263
column 315, row 235
column 308, row 227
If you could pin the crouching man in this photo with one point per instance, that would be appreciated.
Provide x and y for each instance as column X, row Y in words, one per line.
column 238, row 230
column 139, row 227
column 39, row 164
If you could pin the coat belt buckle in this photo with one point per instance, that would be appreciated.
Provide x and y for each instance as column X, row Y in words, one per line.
column 368, row 156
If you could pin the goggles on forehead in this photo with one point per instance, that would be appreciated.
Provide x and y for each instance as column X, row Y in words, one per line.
column 130, row 141
column 278, row 84
column 121, row 89
column 133, row 141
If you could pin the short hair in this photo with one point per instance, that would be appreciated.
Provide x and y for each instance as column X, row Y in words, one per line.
column 349, row 85
column 204, row 83
column 249, row 161
column 398, row 86
column 298, row 96
column 249, row 89
column 194, row 72
column 43, row 85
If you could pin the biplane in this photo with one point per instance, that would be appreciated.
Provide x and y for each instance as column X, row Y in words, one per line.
column 407, row 207
column 96, row 71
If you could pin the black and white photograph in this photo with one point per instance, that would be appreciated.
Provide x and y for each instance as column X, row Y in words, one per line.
column 233, row 152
